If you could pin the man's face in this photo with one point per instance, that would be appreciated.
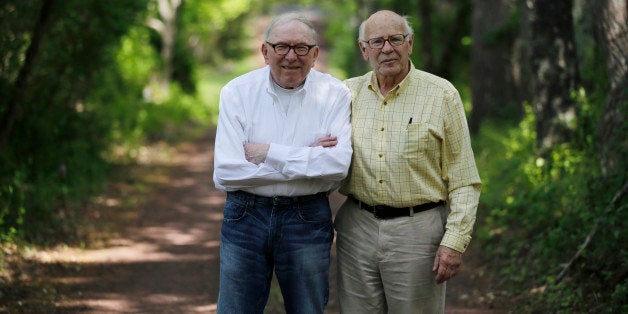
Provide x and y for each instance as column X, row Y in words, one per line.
column 290, row 70
column 388, row 62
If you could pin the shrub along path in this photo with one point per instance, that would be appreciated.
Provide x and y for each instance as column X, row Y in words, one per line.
column 155, row 248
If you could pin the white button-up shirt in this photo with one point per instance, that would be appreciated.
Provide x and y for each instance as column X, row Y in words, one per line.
column 250, row 112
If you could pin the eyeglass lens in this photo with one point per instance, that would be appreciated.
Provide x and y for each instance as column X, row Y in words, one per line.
column 284, row 49
column 394, row 40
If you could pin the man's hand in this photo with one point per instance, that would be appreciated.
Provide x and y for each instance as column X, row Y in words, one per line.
column 446, row 263
column 255, row 153
column 327, row 141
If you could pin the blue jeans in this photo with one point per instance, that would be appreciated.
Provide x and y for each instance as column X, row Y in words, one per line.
column 293, row 236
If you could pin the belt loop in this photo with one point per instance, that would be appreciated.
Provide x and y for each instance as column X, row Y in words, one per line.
column 411, row 211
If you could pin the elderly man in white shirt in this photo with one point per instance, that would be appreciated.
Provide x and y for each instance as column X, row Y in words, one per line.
column 283, row 143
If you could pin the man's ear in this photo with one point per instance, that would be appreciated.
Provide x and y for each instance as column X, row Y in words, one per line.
column 315, row 55
column 363, row 50
column 264, row 50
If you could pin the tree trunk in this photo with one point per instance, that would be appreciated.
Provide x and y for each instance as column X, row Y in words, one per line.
column 166, row 26
column 452, row 43
column 612, row 34
column 493, row 90
column 554, row 70
column 9, row 116
column 425, row 12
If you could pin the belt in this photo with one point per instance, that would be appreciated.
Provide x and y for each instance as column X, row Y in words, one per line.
column 388, row 212
column 285, row 200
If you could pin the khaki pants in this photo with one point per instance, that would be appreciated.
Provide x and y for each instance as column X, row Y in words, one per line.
column 385, row 266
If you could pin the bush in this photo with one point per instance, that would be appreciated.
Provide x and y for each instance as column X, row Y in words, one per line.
column 54, row 153
column 535, row 213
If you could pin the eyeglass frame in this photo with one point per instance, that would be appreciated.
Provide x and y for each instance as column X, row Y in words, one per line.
column 386, row 39
column 291, row 47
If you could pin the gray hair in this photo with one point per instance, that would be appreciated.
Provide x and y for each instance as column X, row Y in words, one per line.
column 289, row 17
column 406, row 25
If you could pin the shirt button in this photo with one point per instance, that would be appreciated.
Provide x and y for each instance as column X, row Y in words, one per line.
column 385, row 103
column 382, row 129
column 381, row 181
column 381, row 155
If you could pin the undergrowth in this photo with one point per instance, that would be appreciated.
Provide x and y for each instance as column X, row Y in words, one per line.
column 535, row 214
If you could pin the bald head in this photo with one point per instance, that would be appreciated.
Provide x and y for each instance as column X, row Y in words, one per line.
column 385, row 41
column 383, row 18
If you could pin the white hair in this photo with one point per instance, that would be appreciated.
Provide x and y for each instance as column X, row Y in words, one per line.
column 406, row 25
column 288, row 17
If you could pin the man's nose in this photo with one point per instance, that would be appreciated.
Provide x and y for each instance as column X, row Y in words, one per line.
column 291, row 54
column 387, row 46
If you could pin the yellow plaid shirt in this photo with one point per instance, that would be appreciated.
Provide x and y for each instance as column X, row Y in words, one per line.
column 413, row 147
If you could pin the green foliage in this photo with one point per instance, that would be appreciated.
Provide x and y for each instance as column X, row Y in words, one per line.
column 213, row 30
column 139, row 107
column 536, row 212
column 344, row 54
column 93, row 97
column 53, row 157
column 211, row 80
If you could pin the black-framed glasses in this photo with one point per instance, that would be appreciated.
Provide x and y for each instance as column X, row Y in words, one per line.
column 283, row 49
column 379, row 42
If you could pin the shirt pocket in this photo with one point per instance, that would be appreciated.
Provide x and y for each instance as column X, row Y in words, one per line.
column 417, row 138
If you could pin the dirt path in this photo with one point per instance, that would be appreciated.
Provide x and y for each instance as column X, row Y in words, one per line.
column 166, row 260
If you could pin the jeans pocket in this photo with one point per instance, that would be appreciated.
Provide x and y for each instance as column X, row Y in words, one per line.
column 234, row 212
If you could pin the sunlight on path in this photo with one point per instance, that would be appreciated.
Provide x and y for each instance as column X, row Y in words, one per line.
column 130, row 252
column 165, row 260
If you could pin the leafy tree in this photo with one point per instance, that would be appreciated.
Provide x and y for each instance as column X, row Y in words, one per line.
column 53, row 152
column 553, row 214
column 165, row 24
column 15, row 93
column 215, row 29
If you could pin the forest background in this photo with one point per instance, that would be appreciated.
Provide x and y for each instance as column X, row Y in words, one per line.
column 86, row 84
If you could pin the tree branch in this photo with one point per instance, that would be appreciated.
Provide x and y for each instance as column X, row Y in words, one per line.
column 157, row 25
column 8, row 118
column 587, row 240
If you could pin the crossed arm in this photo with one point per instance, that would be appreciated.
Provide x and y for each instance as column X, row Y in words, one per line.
column 256, row 153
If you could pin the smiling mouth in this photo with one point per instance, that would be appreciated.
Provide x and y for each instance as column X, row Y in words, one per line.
column 388, row 61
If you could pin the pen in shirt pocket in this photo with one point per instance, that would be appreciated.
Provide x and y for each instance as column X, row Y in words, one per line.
column 409, row 122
